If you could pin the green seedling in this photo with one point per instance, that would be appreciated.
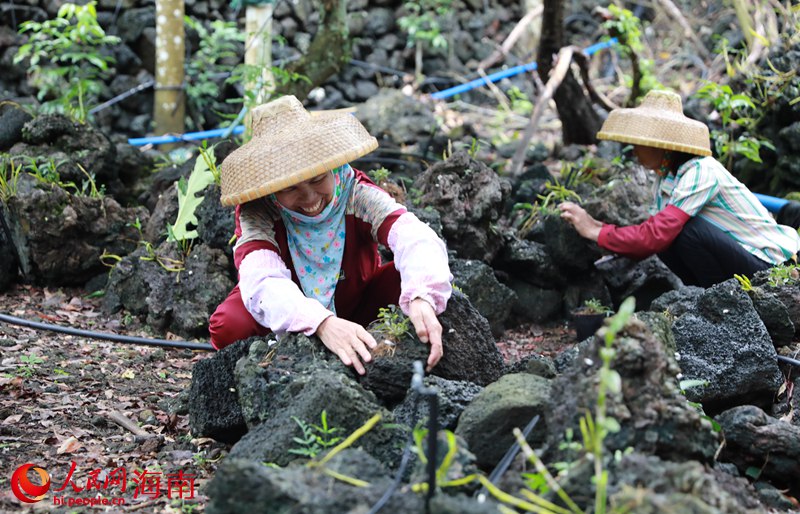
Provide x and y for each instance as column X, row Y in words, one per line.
column 29, row 364
column 315, row 438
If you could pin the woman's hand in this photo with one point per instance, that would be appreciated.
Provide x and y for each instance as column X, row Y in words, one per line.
column 347, row 340
column 428, row 328
column 586, row 226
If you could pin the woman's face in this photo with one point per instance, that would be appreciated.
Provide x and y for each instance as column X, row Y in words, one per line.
column 309, row 197
column 648, row 156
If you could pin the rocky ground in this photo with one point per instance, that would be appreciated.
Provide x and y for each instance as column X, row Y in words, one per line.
column 103, row 405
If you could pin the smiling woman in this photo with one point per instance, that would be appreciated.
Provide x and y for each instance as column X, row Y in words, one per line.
column 308, row 228
column 309, row 196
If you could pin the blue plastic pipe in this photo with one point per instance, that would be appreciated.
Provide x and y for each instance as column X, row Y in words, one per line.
column 190, row 136
column 516, row 70
column 773, row 205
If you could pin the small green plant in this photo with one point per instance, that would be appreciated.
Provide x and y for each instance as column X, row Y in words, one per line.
column 744, row 281
column 43, row 169
column 9, row 176
column 218, row 44
column 474, row 147
column 423, row 27
column 315, row 438
column 738, row 115
column 623, row 25
column 595, row 306
column 89, row 187
column 29, row 365
column 380, row 175
column 556, row 194
column 525, row 216
column 783, row 275
column 66, row 63
column 205, row 173
column 520, row 103
column 392, row 323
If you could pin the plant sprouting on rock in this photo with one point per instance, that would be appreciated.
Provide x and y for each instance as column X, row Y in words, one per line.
column 315, row 438
column 784, row 274
column 66, row 63
column 9, row 176
column 205, row 173
column 392, row 323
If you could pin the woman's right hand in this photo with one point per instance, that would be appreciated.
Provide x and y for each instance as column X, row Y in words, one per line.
column 347, row 340
column 586, row 226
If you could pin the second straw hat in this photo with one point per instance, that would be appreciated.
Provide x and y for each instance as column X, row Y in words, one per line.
column 290, row 145
column 658, row 122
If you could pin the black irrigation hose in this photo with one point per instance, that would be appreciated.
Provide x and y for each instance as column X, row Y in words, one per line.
column 433, row 429
column 508, row 458
column 117, row 338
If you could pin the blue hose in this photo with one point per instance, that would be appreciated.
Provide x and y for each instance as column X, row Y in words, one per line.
column 190, row 136
column 773, row 205
column 516, row 70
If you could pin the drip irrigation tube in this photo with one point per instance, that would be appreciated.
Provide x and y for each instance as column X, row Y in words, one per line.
column 506, row 461
column 118, row 338
column 420, row 391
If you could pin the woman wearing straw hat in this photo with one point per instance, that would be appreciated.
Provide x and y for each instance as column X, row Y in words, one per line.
column 308, row 226
column 707, row 226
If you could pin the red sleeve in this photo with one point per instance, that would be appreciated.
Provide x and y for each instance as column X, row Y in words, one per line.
column 648, row 238
column 241, row 251
column 386, row 226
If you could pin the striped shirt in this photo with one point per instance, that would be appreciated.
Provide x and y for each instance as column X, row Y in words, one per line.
column 703, row 187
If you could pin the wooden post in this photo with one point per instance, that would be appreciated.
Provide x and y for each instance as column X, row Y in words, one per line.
column 169, row 105
column 258, row 48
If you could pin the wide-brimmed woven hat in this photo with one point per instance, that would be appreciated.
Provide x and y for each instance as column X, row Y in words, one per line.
column 658, row 122
column 290, row 145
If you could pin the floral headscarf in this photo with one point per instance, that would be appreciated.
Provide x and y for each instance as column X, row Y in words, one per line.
column 316, row 243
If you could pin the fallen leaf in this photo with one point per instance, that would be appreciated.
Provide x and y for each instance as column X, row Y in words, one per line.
column 129, row 374
column 70, row 445
column 14, row 418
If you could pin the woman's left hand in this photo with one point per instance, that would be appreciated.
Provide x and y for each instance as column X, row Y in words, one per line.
column 428, row 328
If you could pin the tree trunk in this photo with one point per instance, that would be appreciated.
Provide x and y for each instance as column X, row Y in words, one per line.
column 327, row 54
column 579, row 121
column 169, row 104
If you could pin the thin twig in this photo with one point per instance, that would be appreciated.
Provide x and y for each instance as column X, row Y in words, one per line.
column 564, row 59
column 123, row 421
column 511, row 39
column 688, row 32
column 582, row 60
column 502, row 99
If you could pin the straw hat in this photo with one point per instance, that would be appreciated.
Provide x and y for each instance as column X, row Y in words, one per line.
column 288, row 146
column 658, row 122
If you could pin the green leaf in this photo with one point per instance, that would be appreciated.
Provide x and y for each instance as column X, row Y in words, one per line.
column 611, row 425
column 753, row 472
column 189, row 198
column 692, row 382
